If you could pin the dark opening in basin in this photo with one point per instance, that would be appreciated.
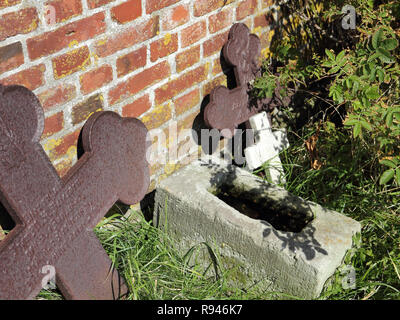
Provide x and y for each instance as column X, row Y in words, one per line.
column 279, row 215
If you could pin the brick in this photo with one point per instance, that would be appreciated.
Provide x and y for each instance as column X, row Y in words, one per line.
column 262, row 21
column 155, row 5
column 83, row 110
column 187, row 58
column 220, row 20
column 202, row 7
column 175, row 17
column 187, row 102
column 193, row 33
column 215, row 44
column 60, row 147
column 127, row 11
column 157, row 116
column 95, row 79
column 31, row 78
column 53, row 124
column 245, row 8
column 8, row 3
column 53, row 41
column 71, row 62
column 131, row 61
column 127, row 38
column 139, row 82
column 267, row 3
column 18, row 22
column 209, row 86
column 220, row 65
column 63, row 167
column 11, row 57
column 137, row 108
column 163, row 47
column 185, row 81
column 62, row 10
column 92, row 4
column 56, row 96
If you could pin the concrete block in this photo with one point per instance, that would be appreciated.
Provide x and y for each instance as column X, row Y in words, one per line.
column 283, row 244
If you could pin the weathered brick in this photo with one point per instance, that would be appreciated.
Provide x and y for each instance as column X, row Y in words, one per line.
column 11, row 57
column 127, row 38
column 131, row 61
column 92, row 4
column 209, row 86
column 220, row 20
column 71, row 62
column 262, row 21
column 163, row 47
column 59, row 147
column 202, row 7
column 139, row 82
column 154, row 5
column 185, row 81
column 215, row 44
column 220, row 65
column 31, row 78
column 267, row 3
column 83, row 110
column 18, row 22
column 63, row 167
column 53, row 41
column 193, row 33
column 187, row 102
column 187, row 58
column 8, row 3
column 245, row 8
column 137, row 108
column 94, row 79
column 53, row 124
column 175, row 17
column 157, row 116
column 62, row 10
column 56, row 96
column 127, row 11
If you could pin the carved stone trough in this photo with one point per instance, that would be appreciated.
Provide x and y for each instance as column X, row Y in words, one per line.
column 265, row 235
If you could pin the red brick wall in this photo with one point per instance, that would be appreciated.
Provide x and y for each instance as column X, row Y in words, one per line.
column 151, row 59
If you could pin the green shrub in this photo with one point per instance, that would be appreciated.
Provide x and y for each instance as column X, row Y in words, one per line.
column 351, row 75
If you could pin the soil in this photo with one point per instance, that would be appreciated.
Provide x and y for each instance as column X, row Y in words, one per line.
column 284, row 219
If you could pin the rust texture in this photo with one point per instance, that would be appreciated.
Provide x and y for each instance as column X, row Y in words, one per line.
column 229, row 108
column 55, row 217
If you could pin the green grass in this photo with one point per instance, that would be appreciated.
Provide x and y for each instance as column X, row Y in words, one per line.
column 347, row 182
column 154, row 269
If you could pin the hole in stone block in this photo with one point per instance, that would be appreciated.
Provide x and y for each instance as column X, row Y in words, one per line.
column 6, row 222
column 280, row 216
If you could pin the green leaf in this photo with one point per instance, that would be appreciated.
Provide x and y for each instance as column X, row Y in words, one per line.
column 388, row 163
column 381, row 75
column 366, row 125
column 397, row 177
column 372, row 93
column 330, row 55
column 340, row 57
column 389, row 119
column 376, row 38
column 385, row 56
column 390, row 44
column 357, row 130
column 386, row 176
column 351, row 122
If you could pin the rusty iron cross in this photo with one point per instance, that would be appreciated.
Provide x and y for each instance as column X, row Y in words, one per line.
column 55, row 217
column 229, row 108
